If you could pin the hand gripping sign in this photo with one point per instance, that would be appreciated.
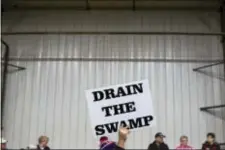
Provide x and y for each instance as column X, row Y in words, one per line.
column 125, row 104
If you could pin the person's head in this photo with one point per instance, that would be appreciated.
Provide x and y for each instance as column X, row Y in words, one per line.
column 3, row 143
column 103, row 139
column 159, row 137
column 106, row 144
column 43, row 141
column 183, row 140
column 211, row 137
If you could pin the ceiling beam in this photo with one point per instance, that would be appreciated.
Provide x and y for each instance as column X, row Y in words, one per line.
column 114, row 9
column 14, row 1
column 115, row 4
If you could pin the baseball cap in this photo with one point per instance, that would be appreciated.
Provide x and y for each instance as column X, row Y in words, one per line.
column 103, row 139
column 3, row 141
column 159, row 134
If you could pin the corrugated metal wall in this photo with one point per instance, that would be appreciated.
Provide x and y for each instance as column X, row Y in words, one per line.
column 48, row 97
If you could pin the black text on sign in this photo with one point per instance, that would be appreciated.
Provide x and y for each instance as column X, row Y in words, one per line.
column 120, row 105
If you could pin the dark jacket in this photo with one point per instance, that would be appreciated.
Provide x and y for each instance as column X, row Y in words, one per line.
column 46, row 148
column 154, row 146
column 118, row 148
column 207, row 146
column 108, row 145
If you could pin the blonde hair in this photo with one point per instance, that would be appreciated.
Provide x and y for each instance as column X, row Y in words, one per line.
column 183, row 137
column 41, row 138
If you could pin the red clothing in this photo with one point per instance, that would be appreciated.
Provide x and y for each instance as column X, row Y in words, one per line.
column 184, row 147
column 207, row 146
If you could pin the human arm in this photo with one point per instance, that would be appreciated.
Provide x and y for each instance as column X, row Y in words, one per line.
column 123, row 132
column 121, row 143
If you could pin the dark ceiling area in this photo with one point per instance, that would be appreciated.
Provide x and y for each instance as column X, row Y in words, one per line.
column 113, row 4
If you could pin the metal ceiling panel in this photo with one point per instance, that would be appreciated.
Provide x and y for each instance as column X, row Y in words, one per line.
column 114, row 4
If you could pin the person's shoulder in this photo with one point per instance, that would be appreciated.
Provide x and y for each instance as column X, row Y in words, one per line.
column 191, row 147
column 178, row 147
column 47, row 148
column 217, row 144
column 118, row 148
column 205, row 143
column 164, row 144
column 151, row 144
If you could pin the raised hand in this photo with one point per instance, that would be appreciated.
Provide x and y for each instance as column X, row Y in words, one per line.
column 123, row 132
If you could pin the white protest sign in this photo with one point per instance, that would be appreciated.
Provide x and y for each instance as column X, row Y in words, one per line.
column 126, row 104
